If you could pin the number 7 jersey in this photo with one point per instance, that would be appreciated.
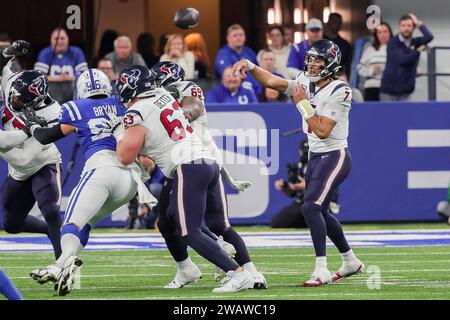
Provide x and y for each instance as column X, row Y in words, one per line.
column 170, row 140
column 332, row 101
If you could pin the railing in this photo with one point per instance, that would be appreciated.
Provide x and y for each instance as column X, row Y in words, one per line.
column 432, row 74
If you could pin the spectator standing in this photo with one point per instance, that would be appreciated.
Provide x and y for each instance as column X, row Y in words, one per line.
column 62, row 63
column 373, row 62
column 146, row 48
column 231, row 90
column 175, row 51
column 197, row 44
column 333, row 27
column 122, row 56
column 403, row 52
column 296, row 60
column 279, row 48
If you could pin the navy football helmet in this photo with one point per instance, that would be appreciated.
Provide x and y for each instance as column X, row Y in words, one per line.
column 167, row 72
column 28, row 90
column 328, row 52
column 134, row 82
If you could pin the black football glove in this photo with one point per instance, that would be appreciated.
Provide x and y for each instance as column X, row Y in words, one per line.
column 17, row 48
column 32, row 120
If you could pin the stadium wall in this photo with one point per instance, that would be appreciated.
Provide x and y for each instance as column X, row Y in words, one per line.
column 400, row 151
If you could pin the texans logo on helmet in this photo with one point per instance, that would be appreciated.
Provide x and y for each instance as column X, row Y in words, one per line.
column 165, row 69
column 131, row 79
column 333, row 52
column 38, row 87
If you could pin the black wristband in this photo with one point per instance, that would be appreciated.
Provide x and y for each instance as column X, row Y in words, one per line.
column 48, row 135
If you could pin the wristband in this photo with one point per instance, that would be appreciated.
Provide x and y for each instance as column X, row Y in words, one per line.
column 250, row 65
column 305, row 109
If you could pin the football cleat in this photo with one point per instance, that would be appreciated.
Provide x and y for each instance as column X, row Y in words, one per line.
column 183, row 277
column 348, row 270
column 260, row 281
column 229, row 249
column 66, row 279
column 236, row 281
column 318, row 278
column 47, row 274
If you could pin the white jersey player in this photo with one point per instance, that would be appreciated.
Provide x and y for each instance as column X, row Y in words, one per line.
column 156, row 126
column 34, row 170
column 190, row 95
column 324, row 103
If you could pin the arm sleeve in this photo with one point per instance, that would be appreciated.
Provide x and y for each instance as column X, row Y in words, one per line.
column 338, row 102
column 427, row 36
column 402, row 55
column 21, row 158
column 48, row 135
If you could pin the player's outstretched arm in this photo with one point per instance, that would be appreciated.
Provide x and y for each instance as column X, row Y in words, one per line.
column 192, row 107
column 50, row 135
column 264, row 77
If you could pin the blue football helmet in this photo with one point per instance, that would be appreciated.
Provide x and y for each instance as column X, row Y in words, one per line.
column 328, row 52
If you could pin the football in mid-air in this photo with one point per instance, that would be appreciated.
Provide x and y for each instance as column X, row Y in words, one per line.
column 186, row 18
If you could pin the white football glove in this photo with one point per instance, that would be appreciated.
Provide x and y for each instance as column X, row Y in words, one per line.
column 239, row 185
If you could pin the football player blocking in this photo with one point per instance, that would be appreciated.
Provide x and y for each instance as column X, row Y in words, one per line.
column 191, row 99
column 324, row 104
column 156, row 127
column 33, row 169
column 105, row 183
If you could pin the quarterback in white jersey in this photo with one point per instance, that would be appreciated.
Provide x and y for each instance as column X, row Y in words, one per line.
column 155, row 126
column 34, row 170
column 324, row 104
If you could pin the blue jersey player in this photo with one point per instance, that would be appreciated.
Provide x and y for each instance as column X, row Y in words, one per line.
column 105, row 184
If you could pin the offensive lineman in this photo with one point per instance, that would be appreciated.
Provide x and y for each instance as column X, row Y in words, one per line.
column 34, row 171
column 171, row 76
column 155, row 126
column 105, row 184
column 324, row 104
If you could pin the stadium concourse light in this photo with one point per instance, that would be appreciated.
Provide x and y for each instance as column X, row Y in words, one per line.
column 297, row 16
column 271, row 16
column 326, row 14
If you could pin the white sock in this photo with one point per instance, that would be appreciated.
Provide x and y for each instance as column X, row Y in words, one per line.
column 249, row 266
column 321, row 263
column 348, row 256
column 69, row 246
column 185, row 263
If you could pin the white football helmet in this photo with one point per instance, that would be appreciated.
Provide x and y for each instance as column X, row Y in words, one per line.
column 93, row 82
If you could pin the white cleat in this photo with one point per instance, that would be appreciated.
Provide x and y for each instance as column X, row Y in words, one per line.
column 318, row 278
column 229, row 249
column 66, row 279
column 259, row 281
column 348, row 269
column 47, row 274
column 184, row 277
column 236, row 281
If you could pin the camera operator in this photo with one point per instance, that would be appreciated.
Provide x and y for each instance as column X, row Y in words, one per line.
column 291, row 216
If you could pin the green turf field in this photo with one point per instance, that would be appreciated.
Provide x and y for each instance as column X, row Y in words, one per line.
column 405, row 273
